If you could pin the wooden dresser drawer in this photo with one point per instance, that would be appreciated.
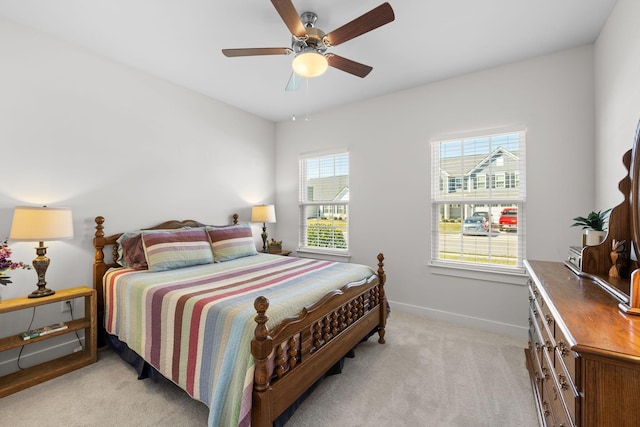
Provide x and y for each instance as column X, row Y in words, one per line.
column 535, row 335
column 535, row 349
column 566, row 355
column 569, row 393
column 560, row 416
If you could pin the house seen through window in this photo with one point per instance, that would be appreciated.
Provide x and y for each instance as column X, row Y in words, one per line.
column 324, row 203
column 478, row 201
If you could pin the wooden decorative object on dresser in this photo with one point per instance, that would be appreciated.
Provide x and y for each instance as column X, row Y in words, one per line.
column 584, row 343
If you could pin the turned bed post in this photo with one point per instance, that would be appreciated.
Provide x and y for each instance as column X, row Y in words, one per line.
column 99, row 267
column 262, row 345
column 382, row 277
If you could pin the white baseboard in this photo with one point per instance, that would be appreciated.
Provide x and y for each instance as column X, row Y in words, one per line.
column 461, row 319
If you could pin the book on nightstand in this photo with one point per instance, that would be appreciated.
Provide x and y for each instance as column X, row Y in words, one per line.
column 45, row 330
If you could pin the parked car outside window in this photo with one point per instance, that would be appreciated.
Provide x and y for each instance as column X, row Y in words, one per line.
column 483, row 214
column 476, row 224
column 509, row 219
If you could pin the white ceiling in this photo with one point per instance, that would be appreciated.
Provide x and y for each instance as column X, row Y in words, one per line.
column 430, row 40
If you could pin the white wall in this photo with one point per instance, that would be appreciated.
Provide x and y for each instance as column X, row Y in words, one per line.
column 85, row 132
column 81, row 131
column 390, row 175
column 617, row 82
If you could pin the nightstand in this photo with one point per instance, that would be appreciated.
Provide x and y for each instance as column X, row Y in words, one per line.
column 33, row 375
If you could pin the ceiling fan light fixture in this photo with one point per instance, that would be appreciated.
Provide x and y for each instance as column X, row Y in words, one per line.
column 310, row 63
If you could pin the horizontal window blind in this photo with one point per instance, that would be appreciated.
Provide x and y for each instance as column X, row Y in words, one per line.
column 324, row 202
column 474, row 181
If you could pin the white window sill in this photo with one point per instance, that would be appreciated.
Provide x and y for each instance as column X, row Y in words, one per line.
column 324, row 252
column 513, row 277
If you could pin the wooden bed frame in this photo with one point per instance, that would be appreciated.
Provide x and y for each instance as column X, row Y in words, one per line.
column 315, row 340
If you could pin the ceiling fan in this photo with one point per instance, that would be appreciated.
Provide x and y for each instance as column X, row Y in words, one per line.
column 310, row 44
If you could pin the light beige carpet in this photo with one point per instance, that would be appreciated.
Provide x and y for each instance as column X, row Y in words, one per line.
column 429, row 373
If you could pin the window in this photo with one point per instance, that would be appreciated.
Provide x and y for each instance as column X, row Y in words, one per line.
column 486, row 178
column 324, row 203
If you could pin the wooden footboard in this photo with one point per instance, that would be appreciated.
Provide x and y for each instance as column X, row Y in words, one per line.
column 306, row 346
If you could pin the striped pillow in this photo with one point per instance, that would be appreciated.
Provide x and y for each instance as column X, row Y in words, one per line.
column 170, row 249
column 231, row 242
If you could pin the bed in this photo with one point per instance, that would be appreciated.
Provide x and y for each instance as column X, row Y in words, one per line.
column 244, row 332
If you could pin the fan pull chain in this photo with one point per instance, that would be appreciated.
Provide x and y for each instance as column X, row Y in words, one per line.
column 306, row 119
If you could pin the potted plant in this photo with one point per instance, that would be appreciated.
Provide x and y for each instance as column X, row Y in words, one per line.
column 594, row 226
column 274, row 246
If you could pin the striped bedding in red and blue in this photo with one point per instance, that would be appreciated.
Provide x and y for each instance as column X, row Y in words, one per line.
column 195, row 324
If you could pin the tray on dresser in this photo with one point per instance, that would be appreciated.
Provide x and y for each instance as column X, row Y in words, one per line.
column 618, row 288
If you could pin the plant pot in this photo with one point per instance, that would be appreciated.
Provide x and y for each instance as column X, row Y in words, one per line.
column 594, row 237
column 274, row 249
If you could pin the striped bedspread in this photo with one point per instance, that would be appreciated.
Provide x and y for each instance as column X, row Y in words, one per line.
column 195, row 324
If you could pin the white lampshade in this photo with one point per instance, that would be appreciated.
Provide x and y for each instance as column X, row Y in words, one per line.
column 263, row 213
column 38, row 224
column 310, row 64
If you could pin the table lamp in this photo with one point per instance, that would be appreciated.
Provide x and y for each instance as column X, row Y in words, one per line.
column 263, row 214
column 37, row 224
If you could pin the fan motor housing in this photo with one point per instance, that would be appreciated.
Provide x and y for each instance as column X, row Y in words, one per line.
column 314, row 40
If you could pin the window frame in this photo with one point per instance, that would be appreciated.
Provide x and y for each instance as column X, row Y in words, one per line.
column 441, row 191
column 339, row 208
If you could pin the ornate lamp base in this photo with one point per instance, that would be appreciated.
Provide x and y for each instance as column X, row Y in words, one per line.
column 40, row 264
column 264, row 237
column 41, row 292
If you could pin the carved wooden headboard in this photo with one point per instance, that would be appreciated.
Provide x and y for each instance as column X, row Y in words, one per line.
column 100, row 242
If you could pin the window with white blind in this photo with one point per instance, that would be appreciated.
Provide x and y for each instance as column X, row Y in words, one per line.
column 324, row 203
column 478, row 202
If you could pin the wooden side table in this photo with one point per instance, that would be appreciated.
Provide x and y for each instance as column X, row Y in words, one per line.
column 33, row 375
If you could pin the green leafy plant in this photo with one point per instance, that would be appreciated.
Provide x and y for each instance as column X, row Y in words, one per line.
column 594, row 221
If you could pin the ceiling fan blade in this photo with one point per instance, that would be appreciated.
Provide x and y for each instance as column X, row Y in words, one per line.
column 347, row 65
column 371, row 20
column 290, row 16
column 294, row 82
column 257, row 51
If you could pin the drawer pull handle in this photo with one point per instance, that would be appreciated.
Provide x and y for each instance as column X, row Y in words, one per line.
column 549, row 319
column 562, row 346
column 545, row 373
column 563, row 382
column 545, row 405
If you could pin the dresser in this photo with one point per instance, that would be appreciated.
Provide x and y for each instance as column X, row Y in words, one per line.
column 584, row 353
